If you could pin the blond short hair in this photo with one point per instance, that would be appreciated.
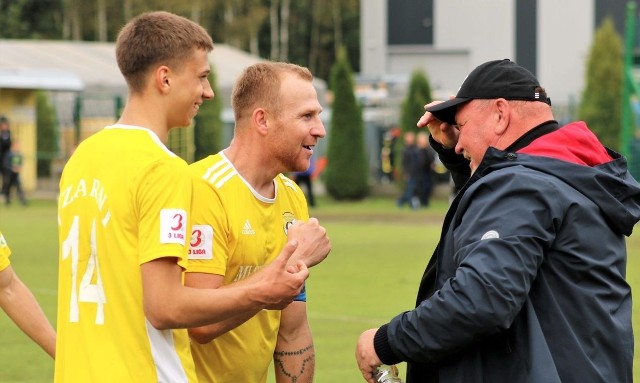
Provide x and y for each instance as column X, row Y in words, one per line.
column 259, row 84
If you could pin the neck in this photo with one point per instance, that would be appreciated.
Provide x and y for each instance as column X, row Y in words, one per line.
column 252, row 165
column 140, row 112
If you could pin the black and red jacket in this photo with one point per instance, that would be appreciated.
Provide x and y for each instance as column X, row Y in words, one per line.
column 527, row 283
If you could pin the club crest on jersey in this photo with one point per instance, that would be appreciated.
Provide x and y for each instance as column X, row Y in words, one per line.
column 201, row 243
column 289, row 219
column 173, row 226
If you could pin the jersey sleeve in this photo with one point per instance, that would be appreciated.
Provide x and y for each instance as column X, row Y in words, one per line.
column 163, row 199
column 208, row 248
column 5, row 252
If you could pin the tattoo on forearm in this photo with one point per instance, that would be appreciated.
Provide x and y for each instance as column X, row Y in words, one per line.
column 308, row 355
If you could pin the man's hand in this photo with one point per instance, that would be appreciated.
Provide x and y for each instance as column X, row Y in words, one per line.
column 443, row 133
column 277, row 284
column 313, row 243
column 366, row 355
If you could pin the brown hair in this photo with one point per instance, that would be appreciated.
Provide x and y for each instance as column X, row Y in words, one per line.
column 155, row 38
column 260, row 84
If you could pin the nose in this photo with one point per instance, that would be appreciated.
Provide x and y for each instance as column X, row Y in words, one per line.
column 208, row 92
column 319, row 131
column 459, row 149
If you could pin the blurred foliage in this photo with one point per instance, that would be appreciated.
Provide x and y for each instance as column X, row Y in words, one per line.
column 305, row 32
column 47, row 134
column 207, row 130
column 346, row 175
column 418, row 95
column 601, row 99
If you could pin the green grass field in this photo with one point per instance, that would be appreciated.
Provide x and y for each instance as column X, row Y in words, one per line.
column 372, row 274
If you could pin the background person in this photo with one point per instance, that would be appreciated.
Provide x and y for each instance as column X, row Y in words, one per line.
column 5, row 145
column 12, row 165
column 426, row 158
column 17, row 301
column 528, row 281
column 304, row 179
column 244, row 216
column 124, row 223
column 410, row 171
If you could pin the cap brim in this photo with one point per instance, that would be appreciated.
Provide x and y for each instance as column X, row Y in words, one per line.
column 446, row 111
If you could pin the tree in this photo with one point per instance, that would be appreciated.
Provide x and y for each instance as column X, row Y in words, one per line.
column 207, row 131
column 418, row 94
column 600, row 107
column 304, row 32
column 47, row 140
column 346, row 174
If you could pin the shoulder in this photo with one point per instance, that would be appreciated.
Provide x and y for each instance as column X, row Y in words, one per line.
column 287, row 184
column 4, row 253
column 215, row 170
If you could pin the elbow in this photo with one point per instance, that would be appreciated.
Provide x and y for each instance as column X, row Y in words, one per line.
column 162, row 319
column 200, row 335
column 161, row 323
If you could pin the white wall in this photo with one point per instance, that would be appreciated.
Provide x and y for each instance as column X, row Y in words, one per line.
column 470, row 32
column 565, row 34
column 373, row 37
column 484, row 27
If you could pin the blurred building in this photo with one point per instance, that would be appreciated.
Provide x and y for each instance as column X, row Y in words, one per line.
column 88, row 91
column 448, row 38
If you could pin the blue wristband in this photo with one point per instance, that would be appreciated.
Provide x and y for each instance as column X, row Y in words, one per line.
column 302, row 297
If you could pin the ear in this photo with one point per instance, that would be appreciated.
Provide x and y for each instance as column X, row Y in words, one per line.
column 260, row 120
column 502, row 116
column 162, row 78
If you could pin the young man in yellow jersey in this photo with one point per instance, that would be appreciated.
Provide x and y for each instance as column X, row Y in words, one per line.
column 124, row 225
column 242, row 219
column 21, row 306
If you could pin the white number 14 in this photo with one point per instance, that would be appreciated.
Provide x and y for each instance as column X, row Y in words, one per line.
column 89, row 292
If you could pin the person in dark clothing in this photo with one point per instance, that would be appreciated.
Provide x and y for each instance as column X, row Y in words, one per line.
column 306, row 178
column 12, row 166
column 388, row 155
column 426, row 158
column 527, row 283
column 409, row 171
column 5, row 146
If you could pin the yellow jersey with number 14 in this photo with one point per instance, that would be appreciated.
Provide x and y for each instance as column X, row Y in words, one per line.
column 5, row 252
column 124, row 200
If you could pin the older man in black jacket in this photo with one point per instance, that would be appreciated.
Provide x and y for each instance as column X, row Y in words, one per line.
column 528, row 281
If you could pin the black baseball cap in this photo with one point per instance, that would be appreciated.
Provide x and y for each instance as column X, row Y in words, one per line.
column 491, row 80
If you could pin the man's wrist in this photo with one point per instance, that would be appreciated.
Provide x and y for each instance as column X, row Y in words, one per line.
column 383, row 348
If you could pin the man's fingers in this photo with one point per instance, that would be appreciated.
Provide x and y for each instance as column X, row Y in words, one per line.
column 302, row 269
column 287, row 251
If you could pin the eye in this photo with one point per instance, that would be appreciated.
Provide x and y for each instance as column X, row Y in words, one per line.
column 459, row 126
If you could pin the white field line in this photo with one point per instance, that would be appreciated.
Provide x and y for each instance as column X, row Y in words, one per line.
column 348, row 318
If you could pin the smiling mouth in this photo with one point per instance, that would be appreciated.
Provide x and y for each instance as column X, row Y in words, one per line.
column 308, row 147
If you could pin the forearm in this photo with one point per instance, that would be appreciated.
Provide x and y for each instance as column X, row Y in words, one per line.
column 23, row 309
column 206, row 334
column 169, row 304
column 296, row 365
column 457, row 165
column 294, row 356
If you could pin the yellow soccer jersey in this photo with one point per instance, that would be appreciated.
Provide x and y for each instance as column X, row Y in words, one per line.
column 124, row 199
column 5, row 252
column 236, row 231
